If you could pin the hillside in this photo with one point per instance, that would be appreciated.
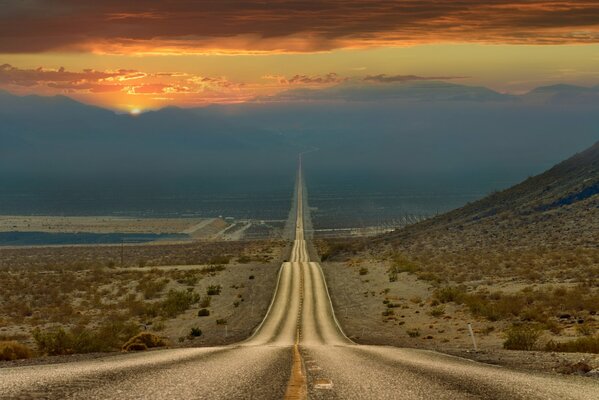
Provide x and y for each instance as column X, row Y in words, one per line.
column 523, row 261
column 557, row 207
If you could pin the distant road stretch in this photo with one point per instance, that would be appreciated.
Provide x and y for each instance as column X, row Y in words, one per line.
column 298, row 351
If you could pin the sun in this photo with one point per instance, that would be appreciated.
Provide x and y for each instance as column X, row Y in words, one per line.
column 135, row 111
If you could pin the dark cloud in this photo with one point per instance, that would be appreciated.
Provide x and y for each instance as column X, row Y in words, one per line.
column 382, row 78
column 286, row 25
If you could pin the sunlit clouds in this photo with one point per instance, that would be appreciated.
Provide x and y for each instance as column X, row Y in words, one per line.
column 133, row 90
column 153, row 53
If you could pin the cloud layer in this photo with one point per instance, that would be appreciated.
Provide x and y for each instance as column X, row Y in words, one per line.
column 186, row 26
column 138, row 87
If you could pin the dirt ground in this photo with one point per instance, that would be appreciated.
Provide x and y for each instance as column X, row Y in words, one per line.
column 65, row 294
column 360, row 300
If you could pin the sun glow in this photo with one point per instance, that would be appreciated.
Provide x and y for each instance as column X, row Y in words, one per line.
column 135, row 111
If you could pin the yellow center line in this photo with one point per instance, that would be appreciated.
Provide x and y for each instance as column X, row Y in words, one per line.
column 297, row 387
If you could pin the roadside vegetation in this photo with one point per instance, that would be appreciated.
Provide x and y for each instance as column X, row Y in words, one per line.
column 54, row 303
column 522, row 298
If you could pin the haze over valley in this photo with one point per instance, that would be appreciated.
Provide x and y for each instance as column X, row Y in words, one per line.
column 332, row 199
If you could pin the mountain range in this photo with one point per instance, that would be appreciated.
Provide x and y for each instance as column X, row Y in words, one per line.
column 557, row 208
column 423, row 137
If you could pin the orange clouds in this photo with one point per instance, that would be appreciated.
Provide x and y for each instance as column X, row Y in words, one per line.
column 131, row 86
column 127, row 89
column 253, row 26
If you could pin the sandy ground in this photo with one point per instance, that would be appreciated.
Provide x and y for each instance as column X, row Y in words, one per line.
column 196, row 228
column 358, row 301
column 100, row 224
column 247, row 289
column 252, row 296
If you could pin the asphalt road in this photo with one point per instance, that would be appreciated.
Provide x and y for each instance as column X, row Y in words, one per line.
column 298, row 351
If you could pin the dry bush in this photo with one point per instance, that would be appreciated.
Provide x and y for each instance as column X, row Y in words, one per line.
column 177, row 302
column 533, row 305
column 522, row 337
column 339, row 249
column 11, row 350
column 88, row 257
column 151, row 288
column 109, row 336
column 589, row 344
column 143, row 341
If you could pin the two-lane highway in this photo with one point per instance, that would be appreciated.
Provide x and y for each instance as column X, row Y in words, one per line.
column 298, row 351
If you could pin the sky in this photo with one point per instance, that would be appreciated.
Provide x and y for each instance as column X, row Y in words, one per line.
column 133, row 56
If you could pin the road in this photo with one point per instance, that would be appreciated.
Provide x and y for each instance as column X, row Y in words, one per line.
column 298, row 351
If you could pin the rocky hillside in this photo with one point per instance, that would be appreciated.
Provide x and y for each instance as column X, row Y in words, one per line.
column 557, row 207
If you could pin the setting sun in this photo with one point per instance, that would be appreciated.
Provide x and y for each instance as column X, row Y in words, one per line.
column 299, row 199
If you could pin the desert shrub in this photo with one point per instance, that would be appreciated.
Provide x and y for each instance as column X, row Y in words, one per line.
column 251, row 277
column 144, row 339
column 589, row 344
column 221, row 259
column 195, row 332
column 400, row 263
column 204, row 312
column 11, row 350
column 388, row 312
column 221, row 321
column 214, row 290
column 135, row 347
column 437, row 311
column 244, row 259
column 415, row 332
column 212, row 269
column 522, row 337
column 429, row 276
column 158, row 326
column 363, row 271
column 205, row 302
column 585, row 329
column 106, row 337
column 177, row 302
column 337, row 248
column 449, row 294
column 579, row 367
column 55, row 342
column 189, row 279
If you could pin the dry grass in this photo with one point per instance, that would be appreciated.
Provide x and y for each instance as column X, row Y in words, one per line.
column 580, row 345
column 11, row 350
column 86, row 257
column 554, row 288
column 143, row 341
column 64, row 304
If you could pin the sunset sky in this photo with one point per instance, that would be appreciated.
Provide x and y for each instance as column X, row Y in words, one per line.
column 149, row 54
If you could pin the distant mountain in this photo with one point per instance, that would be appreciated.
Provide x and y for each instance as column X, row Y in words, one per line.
column 557, row 207
column 416, row 137
column 564, row 95
column 408, row 91
column 61, row 156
